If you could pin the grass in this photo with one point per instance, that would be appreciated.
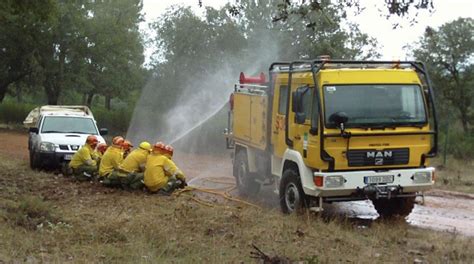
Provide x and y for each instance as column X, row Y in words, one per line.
column 87, row 223
column 456, row 175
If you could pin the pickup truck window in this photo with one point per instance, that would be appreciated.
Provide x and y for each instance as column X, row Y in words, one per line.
column 375, row 105
column 62, row 124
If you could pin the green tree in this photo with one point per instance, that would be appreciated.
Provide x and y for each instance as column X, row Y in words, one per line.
column 113, row 58
column 285, row 10
column 22, row 24
column 58, row 47
column 449, row 54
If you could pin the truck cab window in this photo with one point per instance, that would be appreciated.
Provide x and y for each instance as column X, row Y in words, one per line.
column 283, row 100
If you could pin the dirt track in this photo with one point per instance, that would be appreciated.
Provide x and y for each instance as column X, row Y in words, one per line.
column 453, row 212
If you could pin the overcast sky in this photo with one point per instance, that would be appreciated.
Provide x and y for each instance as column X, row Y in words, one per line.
column 370, row 20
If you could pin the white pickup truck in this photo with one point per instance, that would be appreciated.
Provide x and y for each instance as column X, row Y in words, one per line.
column 56, row 132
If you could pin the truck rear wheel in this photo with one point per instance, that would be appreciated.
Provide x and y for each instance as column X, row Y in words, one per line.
column 401, row 206
column 292, row 197
column 246, row 184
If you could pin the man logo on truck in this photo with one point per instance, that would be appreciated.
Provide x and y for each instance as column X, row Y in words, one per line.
column 378, row 156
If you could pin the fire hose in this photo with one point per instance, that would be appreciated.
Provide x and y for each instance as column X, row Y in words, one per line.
column 225, row 194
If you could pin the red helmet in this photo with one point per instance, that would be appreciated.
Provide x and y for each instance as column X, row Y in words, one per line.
column 169, row 150
column 118, row 141
column 159, row 146
column 127, row 145
column 92, row 140
column 102, row 147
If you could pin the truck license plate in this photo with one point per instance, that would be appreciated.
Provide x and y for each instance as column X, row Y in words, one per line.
column 68, row 157
column 378, row 179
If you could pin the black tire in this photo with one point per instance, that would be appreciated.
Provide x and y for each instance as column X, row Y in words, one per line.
column 292, row 197
column 246, row 184
column 388, row 208
column 34, row 161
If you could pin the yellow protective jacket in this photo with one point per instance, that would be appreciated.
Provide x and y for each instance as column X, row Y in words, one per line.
column 84, row 156
column 97, row 155
column 158, row 169
column 135, row 161
column 111, row 159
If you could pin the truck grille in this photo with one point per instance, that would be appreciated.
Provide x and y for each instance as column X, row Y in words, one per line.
column 373, row 157
column 63, row 147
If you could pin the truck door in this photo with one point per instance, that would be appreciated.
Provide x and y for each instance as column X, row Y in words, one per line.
column 278, row 118
column 304, row 133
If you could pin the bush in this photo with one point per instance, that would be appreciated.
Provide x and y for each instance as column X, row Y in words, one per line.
column 116, row 121
column 14, row 113
column 460, row 145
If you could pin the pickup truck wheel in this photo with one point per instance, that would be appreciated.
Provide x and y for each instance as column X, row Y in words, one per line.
column 34, row 161
column 292, row 197
column 246, row 184
column 388, row 208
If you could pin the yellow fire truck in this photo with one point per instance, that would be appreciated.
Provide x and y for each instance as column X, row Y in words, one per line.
column 334, row 130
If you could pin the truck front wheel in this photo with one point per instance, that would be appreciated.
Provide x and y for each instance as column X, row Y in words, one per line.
column 246, row 184
column 400, row 206
column 292, row 197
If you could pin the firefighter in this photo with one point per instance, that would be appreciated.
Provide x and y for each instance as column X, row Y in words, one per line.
column 101, row 148
column 111, row 159
column 84, row 163
column 161, row 173
column 132, row 168
column 126, row 148
column 179, row 178
column 99, row 152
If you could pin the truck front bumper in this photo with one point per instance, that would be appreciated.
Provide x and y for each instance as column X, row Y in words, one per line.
column 54, row 159
column 370, row 183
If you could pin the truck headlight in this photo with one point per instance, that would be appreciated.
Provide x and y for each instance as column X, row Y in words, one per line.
column 421, row 177
column 47, row 147
column 334, row 181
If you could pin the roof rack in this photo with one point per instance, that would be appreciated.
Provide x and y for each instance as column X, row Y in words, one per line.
column 35, row 114
column 308, row 65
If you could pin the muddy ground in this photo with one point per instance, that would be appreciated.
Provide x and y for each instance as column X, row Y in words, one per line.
column 442, row 210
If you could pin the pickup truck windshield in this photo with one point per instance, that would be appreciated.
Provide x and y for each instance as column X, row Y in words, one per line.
column 63, row 124
column 375, row 105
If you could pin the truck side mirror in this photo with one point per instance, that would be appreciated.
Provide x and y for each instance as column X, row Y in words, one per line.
column 297, row 106
column 33, row 130
column 300, row 118
column 103, row 131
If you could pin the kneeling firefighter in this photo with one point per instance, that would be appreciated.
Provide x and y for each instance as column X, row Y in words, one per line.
column 130, row 172
column 161, row 174
column 111, row 159
column 83, row 162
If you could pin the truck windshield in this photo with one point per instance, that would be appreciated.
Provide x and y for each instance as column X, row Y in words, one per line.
column 66, row 124
column 375, row 105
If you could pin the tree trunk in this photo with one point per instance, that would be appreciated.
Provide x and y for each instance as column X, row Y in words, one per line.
column 18, row 93
column 464, row 121
column 53, row 95
column 3, row 91
column 90, row 97
column 107, row 102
